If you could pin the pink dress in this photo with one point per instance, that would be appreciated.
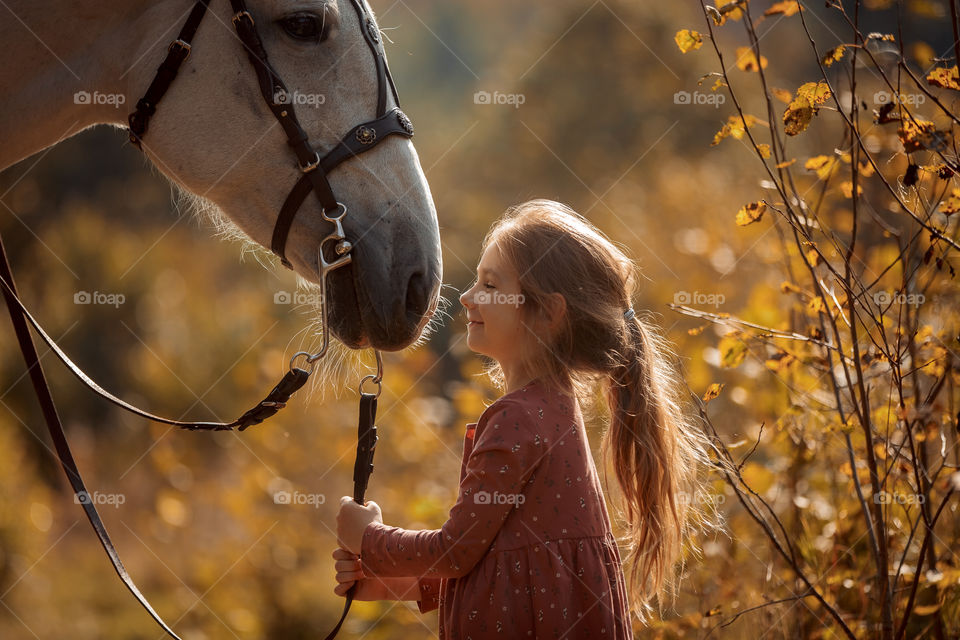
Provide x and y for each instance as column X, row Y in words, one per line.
column 527, row 551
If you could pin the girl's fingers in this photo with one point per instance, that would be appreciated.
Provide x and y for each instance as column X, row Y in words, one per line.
column 349, row 576
column 343, row 554
column 347, row 565
column 342, row 588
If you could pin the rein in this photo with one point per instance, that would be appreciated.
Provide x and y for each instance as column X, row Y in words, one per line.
column 315, row 169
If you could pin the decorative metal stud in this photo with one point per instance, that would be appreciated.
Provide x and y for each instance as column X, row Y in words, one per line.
column 366, row 135
column 405, row 122
column 372, row 30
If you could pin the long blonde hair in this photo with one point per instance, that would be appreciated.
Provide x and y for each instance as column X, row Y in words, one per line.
column 657, row 449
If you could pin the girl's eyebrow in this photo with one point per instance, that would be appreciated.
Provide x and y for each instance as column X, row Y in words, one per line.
column 488, row 271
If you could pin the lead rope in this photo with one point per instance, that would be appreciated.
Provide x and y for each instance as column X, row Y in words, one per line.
column 18, row 316
column 363, row 465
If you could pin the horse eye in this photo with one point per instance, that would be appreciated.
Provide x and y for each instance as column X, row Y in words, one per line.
column 305, row 26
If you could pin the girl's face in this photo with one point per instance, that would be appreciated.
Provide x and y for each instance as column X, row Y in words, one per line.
column 495, row 326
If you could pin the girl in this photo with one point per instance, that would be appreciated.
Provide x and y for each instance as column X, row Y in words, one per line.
column 527, row 550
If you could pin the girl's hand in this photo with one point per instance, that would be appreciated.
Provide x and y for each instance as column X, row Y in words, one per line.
column 352, row 521
column 349, row 572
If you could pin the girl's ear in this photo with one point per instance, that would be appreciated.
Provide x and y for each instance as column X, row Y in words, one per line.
column 555, row 308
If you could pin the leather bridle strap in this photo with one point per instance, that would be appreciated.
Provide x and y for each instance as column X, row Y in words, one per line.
column 177, row 52
column 362, row 468
column 360, row 139
column 292, row 381
column 19, row 318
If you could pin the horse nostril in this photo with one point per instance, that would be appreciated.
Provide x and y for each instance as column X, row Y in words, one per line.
column 418, row 295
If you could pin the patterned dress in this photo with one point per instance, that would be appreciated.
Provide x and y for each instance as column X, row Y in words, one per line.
column 527, row 551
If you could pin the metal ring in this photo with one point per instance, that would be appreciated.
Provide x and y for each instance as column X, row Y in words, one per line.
column 341, row 208
column 183, row 44
column 370, row 377
column 310, row 359
column 240, row 14
column 313, row 164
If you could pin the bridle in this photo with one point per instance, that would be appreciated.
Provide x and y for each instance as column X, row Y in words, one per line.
column 316, row 170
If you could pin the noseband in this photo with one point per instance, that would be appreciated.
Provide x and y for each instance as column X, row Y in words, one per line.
column 315, row 169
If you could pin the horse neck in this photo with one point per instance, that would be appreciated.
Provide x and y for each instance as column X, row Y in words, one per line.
column 63, row 48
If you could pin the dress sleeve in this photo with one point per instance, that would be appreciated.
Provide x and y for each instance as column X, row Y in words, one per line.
column 429, row 594
column 507, row 450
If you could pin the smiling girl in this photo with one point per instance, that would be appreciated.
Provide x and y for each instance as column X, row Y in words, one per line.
column 527, row 550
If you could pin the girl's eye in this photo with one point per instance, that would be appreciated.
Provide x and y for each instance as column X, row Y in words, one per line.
column 305, row 26
column 489, row 286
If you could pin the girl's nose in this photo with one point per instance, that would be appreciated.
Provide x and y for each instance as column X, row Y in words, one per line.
column 466, row 298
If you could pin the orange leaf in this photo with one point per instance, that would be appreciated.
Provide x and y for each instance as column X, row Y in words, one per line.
column 747, row 60
column 786, row 8
column 750, row 213
column 688, row 40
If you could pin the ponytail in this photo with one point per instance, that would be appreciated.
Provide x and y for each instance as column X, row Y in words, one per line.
column 654, row 452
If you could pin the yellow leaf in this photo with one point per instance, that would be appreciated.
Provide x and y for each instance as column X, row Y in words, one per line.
column 712, row 392
column 688, row 40
column 734, row 127
column 696, row 330
column 834, row 55
column 813, row 257
column 750, row 213
column 784, row 165
column 825, row 166
column 788, row 287
column 730, row 9
column 804, row 106
column 816, row 305
column 866, row 169
column 952, row 204
column 732, row 352
column 764, row 150
column 782, row 95
column 847, row 188
column 923, row 54
column 920, row 134
column 747, row 60
column 779, row 361
column 944, row 78
column 786, row 8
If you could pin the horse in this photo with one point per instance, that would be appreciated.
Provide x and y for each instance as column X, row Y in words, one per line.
column 74, row 65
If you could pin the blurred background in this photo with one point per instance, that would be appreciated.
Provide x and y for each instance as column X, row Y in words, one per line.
column 591, row 117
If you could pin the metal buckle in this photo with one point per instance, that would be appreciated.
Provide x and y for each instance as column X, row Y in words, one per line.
column 241, row 14
column 310, row 166
column 183, row 44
